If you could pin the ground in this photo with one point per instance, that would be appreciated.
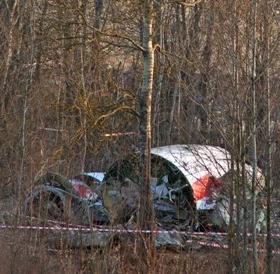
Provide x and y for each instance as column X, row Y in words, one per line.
column 31, row 252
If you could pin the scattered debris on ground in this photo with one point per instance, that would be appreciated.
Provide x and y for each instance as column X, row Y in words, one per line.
column 190, row 188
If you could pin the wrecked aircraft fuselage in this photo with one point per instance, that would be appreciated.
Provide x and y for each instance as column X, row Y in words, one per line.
column 190, row 185
column 77, row 200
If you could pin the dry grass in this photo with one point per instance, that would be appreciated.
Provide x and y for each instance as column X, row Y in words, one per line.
column 29, row 252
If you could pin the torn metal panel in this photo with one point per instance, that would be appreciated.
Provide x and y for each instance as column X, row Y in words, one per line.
column 204, row 168
column 99, row 176
column 83, row 190
column 70, row 200
column 169, row 240
column 79, row 239
column 196, row 161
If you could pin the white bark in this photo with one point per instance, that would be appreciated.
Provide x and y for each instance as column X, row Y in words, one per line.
column 145, row 107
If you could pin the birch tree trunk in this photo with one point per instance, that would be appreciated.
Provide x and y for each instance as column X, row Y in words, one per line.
column 145, row 105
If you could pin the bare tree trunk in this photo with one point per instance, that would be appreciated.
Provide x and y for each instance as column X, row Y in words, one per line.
column 204, row 79
column 39, row 42
column 13, row 21
column 83, row 6
column 268, row 177
column 98, row 12
column 26, row 91
column 194, row 30
column 146, row 216
column 244, row 200
column 160, row 74
column 238, row 149
column 268, row 182
column 172, row 112
column 231, row 213
column 254, row 135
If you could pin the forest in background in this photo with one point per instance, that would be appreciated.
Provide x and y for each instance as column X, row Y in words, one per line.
column 71, row 81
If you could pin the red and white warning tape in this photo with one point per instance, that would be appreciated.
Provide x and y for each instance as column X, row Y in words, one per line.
column 225, row 246
column 103, row 229
column 131, row 231
column 82, row 228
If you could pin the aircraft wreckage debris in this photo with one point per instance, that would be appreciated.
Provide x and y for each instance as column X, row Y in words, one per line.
column 189, row 185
